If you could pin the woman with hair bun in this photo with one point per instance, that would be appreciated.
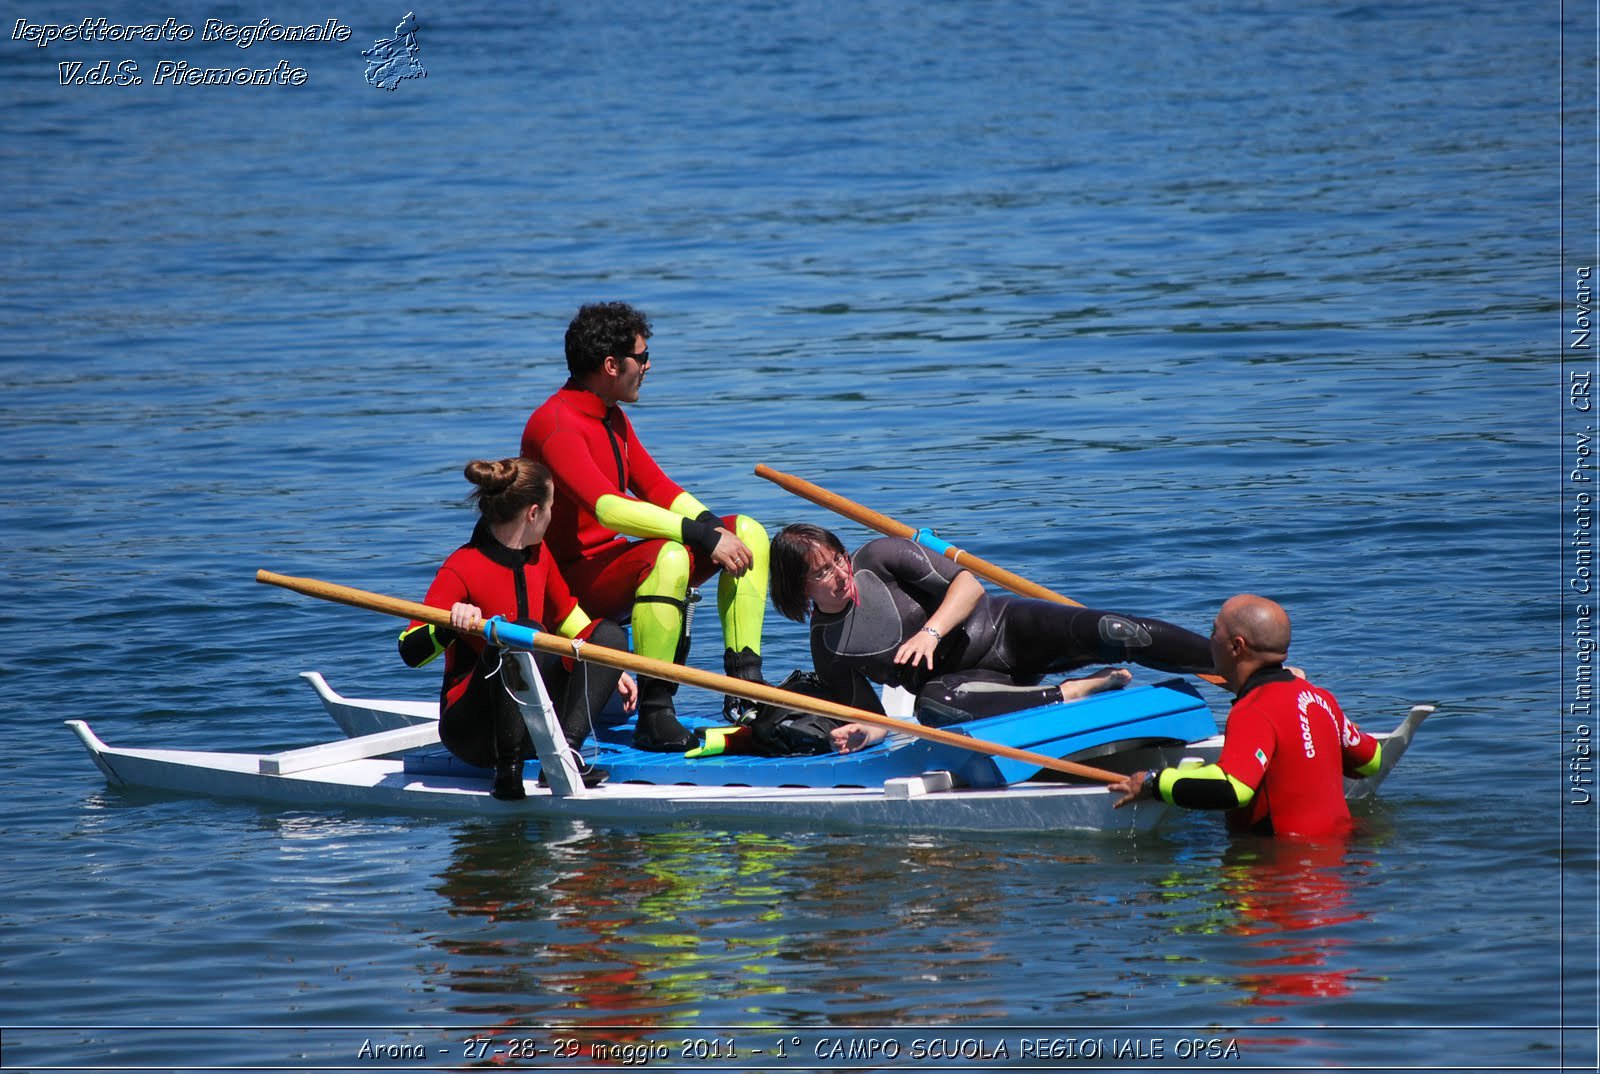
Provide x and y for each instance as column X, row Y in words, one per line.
column 505, row 570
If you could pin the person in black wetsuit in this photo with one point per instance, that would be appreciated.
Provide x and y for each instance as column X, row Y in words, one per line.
column 900, row 615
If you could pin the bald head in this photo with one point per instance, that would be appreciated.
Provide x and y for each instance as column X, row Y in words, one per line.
column 1250, row 633
column 1263, row 624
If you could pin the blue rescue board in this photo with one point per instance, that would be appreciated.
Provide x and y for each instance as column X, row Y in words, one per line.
column 1170, row 712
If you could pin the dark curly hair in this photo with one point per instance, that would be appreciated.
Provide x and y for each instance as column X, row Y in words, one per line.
column 789, row 565
column 601, row 329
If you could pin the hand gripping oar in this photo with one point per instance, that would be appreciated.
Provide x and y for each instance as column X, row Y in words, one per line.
column 503, row 633
column 925, row 537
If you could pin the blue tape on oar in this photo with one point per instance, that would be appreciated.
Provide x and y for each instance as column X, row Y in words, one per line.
column 501, row 632
column 929, row 540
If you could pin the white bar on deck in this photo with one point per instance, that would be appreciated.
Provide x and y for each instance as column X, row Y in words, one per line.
column 907, row 787
column 350, row 749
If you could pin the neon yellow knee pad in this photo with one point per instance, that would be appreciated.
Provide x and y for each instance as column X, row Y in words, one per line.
column 658, row 604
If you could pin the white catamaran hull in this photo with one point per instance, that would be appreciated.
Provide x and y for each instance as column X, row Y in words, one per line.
column 363, row 771
column 373, row 783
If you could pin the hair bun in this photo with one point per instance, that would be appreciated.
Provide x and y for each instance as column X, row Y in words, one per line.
column 492, row 478
column 507, row 486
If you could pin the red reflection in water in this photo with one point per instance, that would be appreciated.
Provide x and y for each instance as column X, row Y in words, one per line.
column 1291, row 898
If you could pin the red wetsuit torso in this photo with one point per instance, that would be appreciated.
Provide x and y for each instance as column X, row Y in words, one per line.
column 1290, row 741
column 519, row 585
column 592, row 451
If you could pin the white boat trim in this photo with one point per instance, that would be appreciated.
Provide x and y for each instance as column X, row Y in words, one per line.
column 358, row 716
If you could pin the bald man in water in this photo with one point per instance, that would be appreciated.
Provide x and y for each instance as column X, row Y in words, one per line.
column 1287, row 747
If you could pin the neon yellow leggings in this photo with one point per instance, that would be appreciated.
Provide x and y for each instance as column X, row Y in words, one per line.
column 658, row 609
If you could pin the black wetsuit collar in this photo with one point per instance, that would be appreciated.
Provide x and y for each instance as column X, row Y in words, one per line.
column 1263, row 676
column 484, row 540
column 820, row 616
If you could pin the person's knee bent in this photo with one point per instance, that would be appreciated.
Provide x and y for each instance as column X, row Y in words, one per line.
column 1124, row 631
column 754, row 535
column 936, row 706
column 670, row 575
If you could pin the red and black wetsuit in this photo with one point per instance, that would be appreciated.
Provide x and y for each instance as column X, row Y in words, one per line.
column 1287, row 751
column 524, row 586
column 606, row 482
column 608, row 486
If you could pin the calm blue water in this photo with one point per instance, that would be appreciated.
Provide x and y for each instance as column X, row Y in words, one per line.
column 1153, row 302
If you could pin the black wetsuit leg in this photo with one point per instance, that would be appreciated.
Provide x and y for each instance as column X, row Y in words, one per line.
column 1038, row 637
column 580, row 694
column 485, row 725
column 968, row 695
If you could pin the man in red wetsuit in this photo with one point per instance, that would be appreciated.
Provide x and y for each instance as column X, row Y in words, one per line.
column 609, row 489
column 1288, row 746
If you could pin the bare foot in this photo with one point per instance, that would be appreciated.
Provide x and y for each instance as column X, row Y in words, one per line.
column 855, row 736
column 1109, row 679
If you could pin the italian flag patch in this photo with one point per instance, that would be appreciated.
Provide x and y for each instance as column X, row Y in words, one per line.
column 1261, row 758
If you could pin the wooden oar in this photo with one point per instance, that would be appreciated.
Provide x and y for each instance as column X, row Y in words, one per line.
column 503, row 633
column 925, row 537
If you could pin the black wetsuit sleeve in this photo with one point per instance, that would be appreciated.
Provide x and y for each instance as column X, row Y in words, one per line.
column 909, row 565
column 701, row 533
column 420, row 644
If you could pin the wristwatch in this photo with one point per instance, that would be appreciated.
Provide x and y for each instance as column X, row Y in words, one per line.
column 1152, row 780
column 936, row 635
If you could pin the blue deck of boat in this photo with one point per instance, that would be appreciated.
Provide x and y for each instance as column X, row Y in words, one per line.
column 1166, row 713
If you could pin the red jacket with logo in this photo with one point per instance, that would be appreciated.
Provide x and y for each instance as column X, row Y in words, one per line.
column 1290, row 741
